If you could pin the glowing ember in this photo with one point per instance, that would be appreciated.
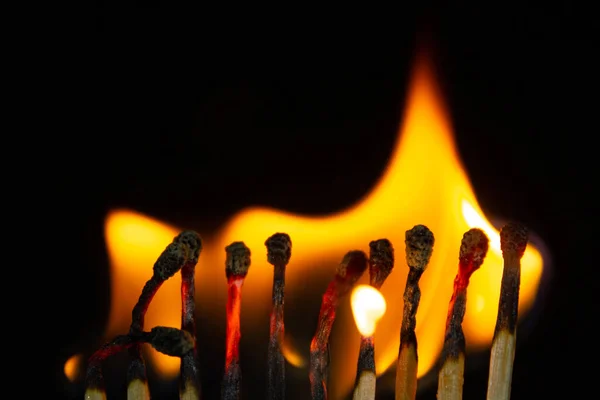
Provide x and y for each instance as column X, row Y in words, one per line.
column 368, row 306
column 424, row 183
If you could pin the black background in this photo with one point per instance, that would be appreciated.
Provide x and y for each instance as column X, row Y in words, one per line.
column 191, row 117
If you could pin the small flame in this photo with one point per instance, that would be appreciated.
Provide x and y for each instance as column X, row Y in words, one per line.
column 424, row 183
column 368, row 306
column 72, row 367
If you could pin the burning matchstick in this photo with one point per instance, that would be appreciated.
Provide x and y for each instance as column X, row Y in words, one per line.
column 351, row 268
column 189, row 376
column 419, row 246
column 513, row 241
column 237, row 263
column 381, row 263
column 279, row 251
column 473, row 249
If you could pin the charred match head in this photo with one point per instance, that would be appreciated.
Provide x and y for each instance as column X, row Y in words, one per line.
column 473, row 249
column 171, row 260
column 381, row 261
column 419, row 242
column 193, row 241
column 279, row 249
column 352, row 267
column 513, row 238
column 171, row 341
column 237, row 261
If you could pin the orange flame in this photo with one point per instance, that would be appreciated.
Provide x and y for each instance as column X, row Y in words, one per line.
column 424, row 183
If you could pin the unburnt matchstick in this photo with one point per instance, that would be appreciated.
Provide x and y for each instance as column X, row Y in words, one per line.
column 167, row 340
column 189, row 377
column 183, row 250
column 473, row 249
column 513, row 241
column 237, row 263
column 279, row 251
column 351, row 268
column 419, row 242
column 381, row 263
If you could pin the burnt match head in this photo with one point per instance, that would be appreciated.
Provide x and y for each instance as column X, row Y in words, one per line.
column 237, row 261
column 193, row 241
column 279, row 249
column 513, row 238
column 419, row 242
column 352, row 267
column 170, row 260
column 381, row 260
column 473, row 248
column 171, row 341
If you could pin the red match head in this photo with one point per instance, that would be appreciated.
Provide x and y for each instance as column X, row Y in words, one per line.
column 473, row 249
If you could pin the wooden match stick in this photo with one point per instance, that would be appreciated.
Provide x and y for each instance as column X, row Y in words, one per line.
column 167, row 340
column 189, row 376
column 279, row 251
column 473, row 249
column 381, row 263
column 419, row 241
column 237, row 264
column 351, row 268
column 513, row 241
column 184, row 249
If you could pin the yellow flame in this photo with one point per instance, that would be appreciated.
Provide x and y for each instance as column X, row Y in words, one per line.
column 424, row 183
column 368, row 306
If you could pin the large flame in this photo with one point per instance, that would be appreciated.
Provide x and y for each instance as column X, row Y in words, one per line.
column 424, row 183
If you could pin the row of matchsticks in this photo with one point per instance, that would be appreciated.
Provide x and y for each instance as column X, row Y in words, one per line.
column 182, row 255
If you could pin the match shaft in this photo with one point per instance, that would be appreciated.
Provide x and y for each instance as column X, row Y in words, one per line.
column 233, row 375
column 319, row 346
column 279, row 251
column 136, row 373
column 276, row 361
column 189, row 369
column 513, row 242
column 451, row 374
column 419, row 241
column 364, row 386
column 407, row 364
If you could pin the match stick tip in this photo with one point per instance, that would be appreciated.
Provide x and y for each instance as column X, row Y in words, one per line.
column 513, row 238
column 171, row 341
column 279, row 249
column 381, row 257
column 353, row 265
column 237, row 261
column 473, row 247
column 170, row 261
column 193, row 241
column 419, row 241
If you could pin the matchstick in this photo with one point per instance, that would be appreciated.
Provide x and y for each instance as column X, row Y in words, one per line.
column 189, row 376
column 473, row 249
column 237, row 264
column 279, row 251
column 170, row 341
column 381, row 263
column 513, row 241
column 419, row 241
column 183, row 250
column 348, row 272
